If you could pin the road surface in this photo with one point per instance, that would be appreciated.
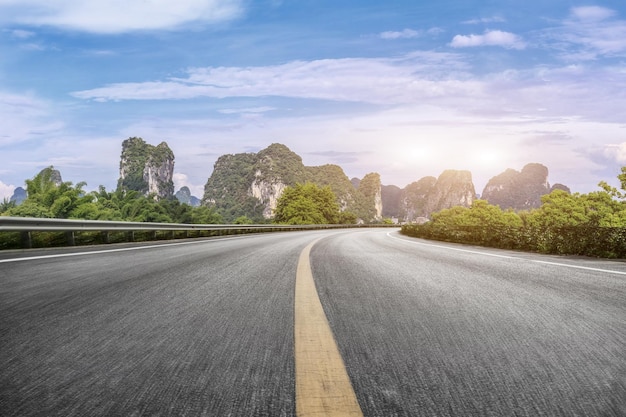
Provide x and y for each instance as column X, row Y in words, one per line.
column 207, row 328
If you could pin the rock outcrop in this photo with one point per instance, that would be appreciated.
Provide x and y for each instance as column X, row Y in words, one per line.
column 184, row 197
column 369, row 194
column 414, row 197
column 453, row 188
column 420, row 199
column 520, row 190
column 146, row 168
column 19, row 195
column 250, row 184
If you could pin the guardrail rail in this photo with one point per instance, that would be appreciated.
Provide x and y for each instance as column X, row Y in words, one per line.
column 27, row 225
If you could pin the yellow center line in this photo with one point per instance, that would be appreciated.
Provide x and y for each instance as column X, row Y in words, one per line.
column 323, row 387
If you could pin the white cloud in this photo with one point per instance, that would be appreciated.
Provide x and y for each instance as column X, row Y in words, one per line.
column 371, row 80
column 489, row 38
column 592, row 13
column 403, row 34
column 591, row 32
column 22, row 34
column 6, row 191
column 182, row 180
column 261, row 109
column 616, row 152
column 118, row 16
column 492, row 19
column 25, row 117
column 431, row 78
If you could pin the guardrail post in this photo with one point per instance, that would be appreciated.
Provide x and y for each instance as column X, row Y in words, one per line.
column 105, row 237
column 27, row 240
column 71, row 241
column 131, row 236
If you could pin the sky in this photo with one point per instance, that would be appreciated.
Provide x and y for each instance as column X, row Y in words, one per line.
column 404, row 88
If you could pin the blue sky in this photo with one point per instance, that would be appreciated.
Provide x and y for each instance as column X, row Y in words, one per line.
column 403, row 88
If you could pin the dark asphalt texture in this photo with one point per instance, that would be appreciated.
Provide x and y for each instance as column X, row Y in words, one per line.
column 207, row 329
column 202, row 329
column 431, row 332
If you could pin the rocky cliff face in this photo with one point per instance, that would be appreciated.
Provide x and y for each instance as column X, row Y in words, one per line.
column 453, row 188
column 369, row 198
column 146, row 168
column 334, row 177
column 420, row 199
column 251, row 184
column 520, row 190
column 184, row 196
column 267, row 192
column 414, row 197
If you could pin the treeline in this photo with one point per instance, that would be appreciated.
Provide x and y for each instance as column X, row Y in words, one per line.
column 47, row 199
column 591, row 224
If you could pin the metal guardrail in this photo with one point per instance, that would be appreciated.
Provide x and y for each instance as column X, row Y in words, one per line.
column 27, row 225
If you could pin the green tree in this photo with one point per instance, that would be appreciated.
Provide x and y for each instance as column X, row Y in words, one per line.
column 307, row 204
column 6, row 205
column 46, row 198
column 243, row 220
column 561, row 209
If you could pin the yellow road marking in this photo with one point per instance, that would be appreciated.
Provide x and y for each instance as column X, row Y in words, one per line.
column 323, row 387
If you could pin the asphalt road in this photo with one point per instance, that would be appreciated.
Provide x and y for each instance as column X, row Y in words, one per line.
column 206, row 328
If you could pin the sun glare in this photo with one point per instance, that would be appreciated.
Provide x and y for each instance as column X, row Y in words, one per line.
column 488, row 157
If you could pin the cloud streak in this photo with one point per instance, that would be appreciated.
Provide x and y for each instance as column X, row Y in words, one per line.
column 25, row 117
column 489, row 38
column 368, row 80
column 118, row 16
column 590, row 32
column 403, row 34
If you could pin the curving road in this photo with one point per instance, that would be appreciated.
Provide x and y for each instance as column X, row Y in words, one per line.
column 207, row 328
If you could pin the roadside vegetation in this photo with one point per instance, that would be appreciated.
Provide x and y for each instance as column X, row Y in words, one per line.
column 310, row 204
column 46, row 199
column 591, row 224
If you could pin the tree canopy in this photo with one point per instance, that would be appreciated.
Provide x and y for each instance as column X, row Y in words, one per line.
column 584, row 224
column 46, row 198
column 307, row 204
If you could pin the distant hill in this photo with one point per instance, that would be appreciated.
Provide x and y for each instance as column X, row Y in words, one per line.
column 520, row 190
column 184, row 196
column 428, row 195
column 19, row 195
column 250, row 184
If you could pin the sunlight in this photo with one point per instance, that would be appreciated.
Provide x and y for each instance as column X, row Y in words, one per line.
column 487, row 157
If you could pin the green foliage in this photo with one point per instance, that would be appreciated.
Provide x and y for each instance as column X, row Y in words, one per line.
column 365, row 204
column 135, row 152
column 64, row 201
column 6, row 205
column 47, row 199
column 278, row 162
column 591, row 224
column 227, row 188
column 243, row 220
column 335, row 178
column 137, row 155
column 307, row 204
